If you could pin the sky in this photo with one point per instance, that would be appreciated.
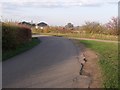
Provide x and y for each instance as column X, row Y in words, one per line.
column 59, row 12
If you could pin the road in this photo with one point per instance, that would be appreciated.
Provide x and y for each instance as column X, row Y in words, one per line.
column 51, row 64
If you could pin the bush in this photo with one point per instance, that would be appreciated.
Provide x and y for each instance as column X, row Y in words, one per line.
column 14, row 35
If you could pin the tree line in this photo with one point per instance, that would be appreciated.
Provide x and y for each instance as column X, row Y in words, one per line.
column 110, row 28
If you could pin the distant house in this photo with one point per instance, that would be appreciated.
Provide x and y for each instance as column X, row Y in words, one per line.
column 36, row 26
column 27, row 24
column 42, row 25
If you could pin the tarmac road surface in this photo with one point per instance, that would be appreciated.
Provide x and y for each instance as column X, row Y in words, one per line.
column 51, row 64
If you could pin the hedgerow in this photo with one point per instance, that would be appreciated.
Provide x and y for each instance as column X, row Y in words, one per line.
column 14, row 35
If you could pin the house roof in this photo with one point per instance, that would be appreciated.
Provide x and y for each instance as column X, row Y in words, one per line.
column 42, row 24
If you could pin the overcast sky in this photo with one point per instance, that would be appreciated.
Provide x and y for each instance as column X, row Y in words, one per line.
column 59, row 12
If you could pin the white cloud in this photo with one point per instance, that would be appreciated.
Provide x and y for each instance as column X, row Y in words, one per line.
column 57, row 3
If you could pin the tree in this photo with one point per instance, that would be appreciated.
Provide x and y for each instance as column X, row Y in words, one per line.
column 93, row 27
column 69, row 26
column 112, row 26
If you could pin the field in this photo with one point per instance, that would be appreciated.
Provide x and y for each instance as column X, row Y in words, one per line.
column 84, row 35
column 108, row 61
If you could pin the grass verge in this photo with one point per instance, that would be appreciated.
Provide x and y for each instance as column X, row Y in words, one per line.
column 89, row 36
column 22, row 48
column 108, row 61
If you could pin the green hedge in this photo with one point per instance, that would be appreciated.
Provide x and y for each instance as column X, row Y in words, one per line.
column 13, row 35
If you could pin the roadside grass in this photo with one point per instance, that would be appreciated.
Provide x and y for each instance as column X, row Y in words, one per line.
column 22, row 48
column 108, row 61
